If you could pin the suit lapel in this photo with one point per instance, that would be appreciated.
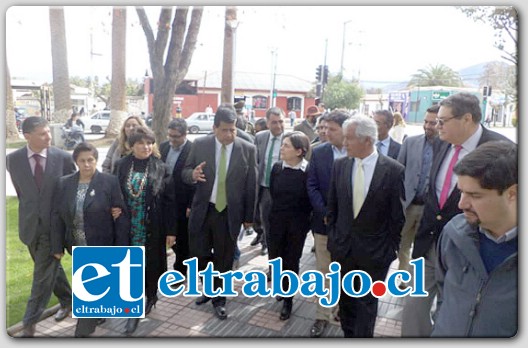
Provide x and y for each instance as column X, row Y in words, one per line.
column 71, row 193
column 347, row 175
column 92, row 188
column 442, row 153
column 377, row 178
column 210, row 164
column 235, row 155
column 26, row 176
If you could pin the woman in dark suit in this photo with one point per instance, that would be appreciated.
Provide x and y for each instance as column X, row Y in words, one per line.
column 88, row 209
column 290, row 208
column 145, row 184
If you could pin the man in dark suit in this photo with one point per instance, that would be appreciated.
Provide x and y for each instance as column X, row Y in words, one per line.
column 308, row 125
column 34, row 170
column 365, row 218
column 174, row 153
column 458, row 124
column 416, row 155
column 318, row 181
column 268, row 152
column 385, row 144
column 224, row 171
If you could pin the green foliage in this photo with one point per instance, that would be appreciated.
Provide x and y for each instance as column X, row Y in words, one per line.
column 19, row 268
column 438, row 75
column 340, row 93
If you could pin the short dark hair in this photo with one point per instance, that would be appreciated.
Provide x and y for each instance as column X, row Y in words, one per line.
column 433, row 109
column 33, row 122
column 261, row 122
column 338, row 116
column 389, row 117
column 141, row 133
column 178, row 124
column 463, row 103
column 494, row 164
column 299, row 141
column 225, row 113
column 85, row 147
column 274, row 111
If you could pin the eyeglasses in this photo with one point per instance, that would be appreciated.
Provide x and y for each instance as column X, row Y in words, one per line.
column 175, row 136
column 442, row 121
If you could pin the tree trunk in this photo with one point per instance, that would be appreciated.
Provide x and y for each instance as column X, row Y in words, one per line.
column 118, row 111
column 59, row 58
column 229, row 55
column 11, row 127
column 168, row 75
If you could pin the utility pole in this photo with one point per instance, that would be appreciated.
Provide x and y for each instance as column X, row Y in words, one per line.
column 325, row 69
column 343, row 47
column 231, row 23
column 273, row 76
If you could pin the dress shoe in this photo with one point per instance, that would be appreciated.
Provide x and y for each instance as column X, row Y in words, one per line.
column 318, row 328
column 202, row 299
column 62, row 313
column 256, row 240
column 101, row 321
column 29, row 330
column 313, row 249
column 403, row 286
column 337, row 316
column 279, row 298
column 286, row 310
column 220, row 312
column 236, row 265
column 151, row 302
column 264, row 250
column 131, row 325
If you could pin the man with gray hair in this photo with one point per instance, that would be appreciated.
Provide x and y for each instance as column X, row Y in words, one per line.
column 365, row 216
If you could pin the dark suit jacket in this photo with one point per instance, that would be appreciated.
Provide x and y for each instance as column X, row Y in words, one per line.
column 394, row 149
column 307, row 129
column 318, row 182
column 241, row 186
column 373, row 238
column 434, row 218
column 183, row 193
column 35, row 206
column 99, row 225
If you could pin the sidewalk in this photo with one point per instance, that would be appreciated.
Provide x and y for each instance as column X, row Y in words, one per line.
column 248, row 317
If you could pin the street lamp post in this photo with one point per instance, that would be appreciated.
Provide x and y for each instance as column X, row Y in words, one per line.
column 343, row 47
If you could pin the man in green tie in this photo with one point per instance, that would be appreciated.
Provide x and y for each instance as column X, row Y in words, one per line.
column 223, row 169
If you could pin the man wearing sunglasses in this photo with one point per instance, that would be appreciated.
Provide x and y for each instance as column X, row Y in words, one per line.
column 459, row 125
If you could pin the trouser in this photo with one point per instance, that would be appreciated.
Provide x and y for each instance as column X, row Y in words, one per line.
column 265, row 210
column 85, row 326
column 416, row 315
column 181, row 248
column 48, row 277
column 323, row 260
column 413, row 214
column 218, row 239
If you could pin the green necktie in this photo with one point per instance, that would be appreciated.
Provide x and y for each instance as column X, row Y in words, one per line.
column 359, row 188
column 270, row 159
column 221, row 200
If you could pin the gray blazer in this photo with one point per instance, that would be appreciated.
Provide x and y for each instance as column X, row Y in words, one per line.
column 261, row 142
column 241, row 185
column 34, row 207
column 307, row 129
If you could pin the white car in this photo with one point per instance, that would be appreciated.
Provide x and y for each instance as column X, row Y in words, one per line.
column 200, row 122
column 97, row 122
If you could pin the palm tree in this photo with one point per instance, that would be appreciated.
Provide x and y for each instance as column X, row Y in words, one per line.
column 11, row 127
column 59, row 58
column 118, row 90
column 439, row 75
column 177, row 59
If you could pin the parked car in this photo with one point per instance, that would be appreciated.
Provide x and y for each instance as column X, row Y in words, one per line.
column 200, row 122
column 97, row 122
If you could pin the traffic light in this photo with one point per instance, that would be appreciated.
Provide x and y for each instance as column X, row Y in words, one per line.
column 318, row 73
column 325, row 75
column 489, row 90
column 485, row 91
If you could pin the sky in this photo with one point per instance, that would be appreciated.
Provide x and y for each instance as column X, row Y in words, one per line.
column 382, row 43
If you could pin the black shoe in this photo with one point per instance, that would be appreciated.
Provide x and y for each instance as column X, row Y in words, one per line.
column 220, row 312
column 279, row 298
column 337, row 316
column 202, row 299
column 131, row 325
column 256, row 240
column 101, row 321
column 264, row 250
column 313, row 249
column 62, row 313
column 268, row 275
column 286, row 310
column 151, row 302
column 29, row 330
column 318, row 328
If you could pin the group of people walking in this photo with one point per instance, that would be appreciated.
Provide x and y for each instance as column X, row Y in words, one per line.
column 363, row 195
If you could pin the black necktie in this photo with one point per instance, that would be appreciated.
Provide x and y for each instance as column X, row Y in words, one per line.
column 39, row 171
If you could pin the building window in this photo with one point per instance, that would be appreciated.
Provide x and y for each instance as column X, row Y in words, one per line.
column 260, row 102
column 294, row 103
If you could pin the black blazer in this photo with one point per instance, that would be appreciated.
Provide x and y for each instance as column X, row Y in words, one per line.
column 99, row 226
column 394, row 149
column 434, row 219
column 372, row 238
column 183, row 193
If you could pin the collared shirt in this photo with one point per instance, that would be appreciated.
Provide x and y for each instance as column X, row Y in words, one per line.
column 511, row 234
column 302, row 165
column 275, row 156
column 33, row 162
column 174, row 154
column 427, row 161
column 369, row 164
column 468, row 146
column 218, row 152
column 339, row 153
column 385, row 146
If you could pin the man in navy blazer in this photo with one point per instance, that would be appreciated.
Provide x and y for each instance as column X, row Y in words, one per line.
column 458, row 124
column 365, row 218
column 214, row 225
column 386, row 145
column 174, row 153
column 34, row 214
